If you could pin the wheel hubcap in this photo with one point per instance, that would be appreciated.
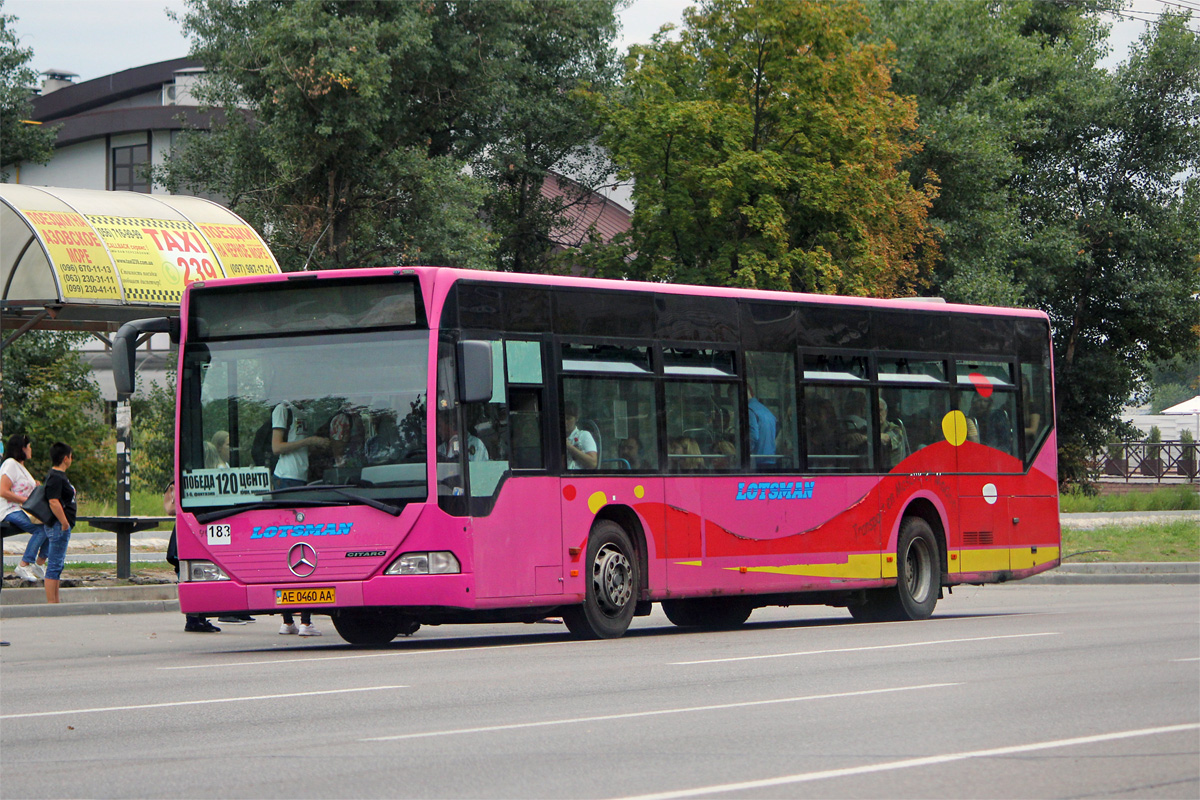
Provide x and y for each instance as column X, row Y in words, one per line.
column 918, row 579
column 612, row 579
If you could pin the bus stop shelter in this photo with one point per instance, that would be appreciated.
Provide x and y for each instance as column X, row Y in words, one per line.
column 86, row 260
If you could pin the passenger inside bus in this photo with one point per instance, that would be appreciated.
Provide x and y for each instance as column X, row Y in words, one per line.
column 762, row 430
column 449, row 442
column 582, row 450
column 291, row 443
column 685, row 454
column 216, row 451
column 630, row 453
column 895, row 443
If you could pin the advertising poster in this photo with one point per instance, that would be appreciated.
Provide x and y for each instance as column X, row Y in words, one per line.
column 156, row 258
column 239, row 250
column 84, row 270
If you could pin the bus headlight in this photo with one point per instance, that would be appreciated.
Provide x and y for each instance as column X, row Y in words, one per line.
column 440, row 562
column 201, row 571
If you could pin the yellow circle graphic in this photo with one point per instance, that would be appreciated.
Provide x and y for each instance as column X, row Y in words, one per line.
column 597, row 501
column 639, row 492
column 954, row 427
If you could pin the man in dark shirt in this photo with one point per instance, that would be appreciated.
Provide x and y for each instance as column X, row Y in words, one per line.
column 60, row 494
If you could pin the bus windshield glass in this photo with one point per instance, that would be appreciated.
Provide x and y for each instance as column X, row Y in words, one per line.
column 263, row 415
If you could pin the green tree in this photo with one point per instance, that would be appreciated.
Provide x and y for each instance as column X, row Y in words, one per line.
column 20, row 140
column 1065, row 187
column 764, row 143
column 409, row 132
column 51, row 396
column 153, row 446
column 1172, row 381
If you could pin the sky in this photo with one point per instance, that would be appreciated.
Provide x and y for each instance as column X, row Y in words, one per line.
column 93, row 38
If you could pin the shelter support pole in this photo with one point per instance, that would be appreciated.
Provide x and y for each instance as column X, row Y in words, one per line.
column 124, row 442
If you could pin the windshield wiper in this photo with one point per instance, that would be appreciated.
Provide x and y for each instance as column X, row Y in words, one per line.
column 210, row 516
column 340, row 489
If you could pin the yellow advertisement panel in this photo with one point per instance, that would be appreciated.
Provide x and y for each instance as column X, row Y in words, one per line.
column 239, row 250
column 155, row 257
column 84, row 269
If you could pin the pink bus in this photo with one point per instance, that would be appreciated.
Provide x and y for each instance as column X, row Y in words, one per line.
column 416, row 446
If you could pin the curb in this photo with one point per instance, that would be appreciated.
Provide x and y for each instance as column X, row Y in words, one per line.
column 78, row 609
column 1117, row 573
column 23, row 603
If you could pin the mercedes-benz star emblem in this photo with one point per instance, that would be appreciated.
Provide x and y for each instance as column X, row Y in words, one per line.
column 302, row 560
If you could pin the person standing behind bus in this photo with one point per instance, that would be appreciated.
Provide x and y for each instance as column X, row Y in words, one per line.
column 16, row 484
column 289, row 441
column 60, row 494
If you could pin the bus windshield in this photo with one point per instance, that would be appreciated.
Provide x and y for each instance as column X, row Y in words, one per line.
column 328, row 412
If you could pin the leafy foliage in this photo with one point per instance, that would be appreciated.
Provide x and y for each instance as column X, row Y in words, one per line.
column 19, row 140
column 393, row 132
column 153, row 445
column 764, row 144
column 51, row 396
column 1064, row 186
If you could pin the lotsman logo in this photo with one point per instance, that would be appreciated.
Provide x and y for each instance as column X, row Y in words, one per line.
column 776, row 490
column 284, row 531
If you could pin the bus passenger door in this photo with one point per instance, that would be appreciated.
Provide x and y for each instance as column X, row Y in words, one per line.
column 517, row 524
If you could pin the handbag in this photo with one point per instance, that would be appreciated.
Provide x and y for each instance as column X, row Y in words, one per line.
column 37, row 507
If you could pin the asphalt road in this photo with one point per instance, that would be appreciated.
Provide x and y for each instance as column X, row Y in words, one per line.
column 1010, row 691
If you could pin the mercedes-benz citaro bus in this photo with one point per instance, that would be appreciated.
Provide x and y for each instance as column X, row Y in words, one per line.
column 416, row 446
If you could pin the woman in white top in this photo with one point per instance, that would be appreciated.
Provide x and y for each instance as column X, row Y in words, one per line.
column 16, row 484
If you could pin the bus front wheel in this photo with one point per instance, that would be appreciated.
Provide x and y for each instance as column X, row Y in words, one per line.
column 918, row 577
column 612, row 586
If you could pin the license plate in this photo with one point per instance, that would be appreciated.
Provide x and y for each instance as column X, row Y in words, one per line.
column 296, row 597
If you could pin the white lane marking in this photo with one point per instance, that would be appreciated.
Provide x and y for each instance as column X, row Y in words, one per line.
column 864, row 648
column 1179, row 660
column 197, row 702
column 635, row 714
column 908, row 763
column 389, row 654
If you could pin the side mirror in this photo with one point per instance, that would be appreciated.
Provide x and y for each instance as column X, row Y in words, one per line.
column 474, row 372
column 125, row 348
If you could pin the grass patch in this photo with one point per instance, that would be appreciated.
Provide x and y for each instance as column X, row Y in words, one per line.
column 1168, row 498
column 1167, row 541
column 141, row 504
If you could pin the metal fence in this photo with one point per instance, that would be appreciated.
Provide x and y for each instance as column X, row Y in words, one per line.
column 1161, row 461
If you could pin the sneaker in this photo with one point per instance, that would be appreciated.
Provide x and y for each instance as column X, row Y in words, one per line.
column 39, row 570
column 230, row 620
column 203, row 626
column 309, row 630
column 288, row 628
column 247, row 618
column 25, row 573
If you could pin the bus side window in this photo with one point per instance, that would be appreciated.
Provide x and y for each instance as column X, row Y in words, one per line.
column 1036, row 410
column 771, row 381
column 485, row 439
column 840, row 429
column 525, row 421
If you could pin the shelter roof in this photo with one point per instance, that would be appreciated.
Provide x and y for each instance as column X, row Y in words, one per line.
column 79, row 259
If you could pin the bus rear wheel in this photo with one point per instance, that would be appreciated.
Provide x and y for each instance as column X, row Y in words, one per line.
column 613, row 580
column 365, row 626
column 918, row 577
column 709, row 613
